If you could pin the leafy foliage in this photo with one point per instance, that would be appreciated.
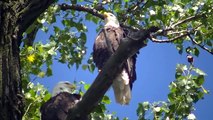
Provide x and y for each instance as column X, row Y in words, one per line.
column 185, row 91
column 189, row 21
column 35, row 96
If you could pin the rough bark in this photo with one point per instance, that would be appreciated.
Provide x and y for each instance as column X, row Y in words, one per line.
column 15, row 18
column 11, row 102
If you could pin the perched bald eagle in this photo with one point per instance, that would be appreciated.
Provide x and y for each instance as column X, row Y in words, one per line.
column 106, row 43
column 62, row 100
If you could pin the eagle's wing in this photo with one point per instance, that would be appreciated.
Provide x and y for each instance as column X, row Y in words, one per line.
column 130, row 66
column 56, row 108
column 105, row 45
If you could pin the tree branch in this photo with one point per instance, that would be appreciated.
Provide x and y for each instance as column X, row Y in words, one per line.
column 172, row 27
column 81, row 8
column 31, row 10
column 112, row 67
column 92, row 11
column 169, row 40
column 201, row 46
column 188, row 19
column 30, row 37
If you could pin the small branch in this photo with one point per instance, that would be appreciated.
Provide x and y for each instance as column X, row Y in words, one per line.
column 130, row 9
column 81, row 8
column 177, row 32
column 201, row 46
column 89, row 10
column 168, row 40
column 188, row 19
column 172, row 27
column 28, row 108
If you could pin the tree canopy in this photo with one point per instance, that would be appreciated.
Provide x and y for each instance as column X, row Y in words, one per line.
column 185, row 24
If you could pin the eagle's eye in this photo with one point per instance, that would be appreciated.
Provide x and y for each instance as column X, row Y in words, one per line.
column 67, row 83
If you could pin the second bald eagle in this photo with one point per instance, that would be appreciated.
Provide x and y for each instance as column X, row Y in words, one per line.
column 106, row 43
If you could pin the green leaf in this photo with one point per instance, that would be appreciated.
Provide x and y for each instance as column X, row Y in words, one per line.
column 189, row 99
column 200, row 95
column 173, row 87
column 146, row 105
column 73, row 1
column 41, row 74
column 56, row 29
column 27, row 95
column 198, row 71
column 106, row 100
column 200, row 80
column 116, row 7
column 179, row 48
column 171, row 97
column 83, row 36
column 209, row 43
column 86, row 86
column 196, row 52
column 66, row 22
column 140, row 111
column 165, row 109
column 30, row 29
column 45, row 29
column 47, row 97
column 64, row 37
column 84, row 67
column 91, row 67
column 49, row 71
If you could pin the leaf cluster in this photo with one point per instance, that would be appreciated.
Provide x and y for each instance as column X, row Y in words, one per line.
column 185, row 91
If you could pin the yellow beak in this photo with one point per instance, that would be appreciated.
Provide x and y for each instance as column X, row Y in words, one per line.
column 105, row 14
column 71, row 86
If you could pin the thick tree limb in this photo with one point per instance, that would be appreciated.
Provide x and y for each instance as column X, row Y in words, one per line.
column 29, row 12
column 104, row 79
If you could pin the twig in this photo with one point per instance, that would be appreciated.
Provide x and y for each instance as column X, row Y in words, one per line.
column 168, row 40
column 134, row 6
column 28, row 108
column 188, row 19
column 201, row 46
column 89, row 10
column 172, row 27
column 81, row 8
column 177, row 32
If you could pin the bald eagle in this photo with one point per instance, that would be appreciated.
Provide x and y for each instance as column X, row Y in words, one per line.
column 106, row 43
column 62, row 100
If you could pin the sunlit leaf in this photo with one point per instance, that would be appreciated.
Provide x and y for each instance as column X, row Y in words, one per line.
column 106, row 100
column 198, row 71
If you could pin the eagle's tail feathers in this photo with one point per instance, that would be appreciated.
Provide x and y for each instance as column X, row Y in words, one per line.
column 122, row 89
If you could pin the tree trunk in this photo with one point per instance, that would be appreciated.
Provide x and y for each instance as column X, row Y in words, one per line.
column 15, row 18
column 11, row 105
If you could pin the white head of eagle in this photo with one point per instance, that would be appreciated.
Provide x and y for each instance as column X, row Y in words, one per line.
column 57, row 107
column 110, row 20
column 64, row 86
column 106, row 43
